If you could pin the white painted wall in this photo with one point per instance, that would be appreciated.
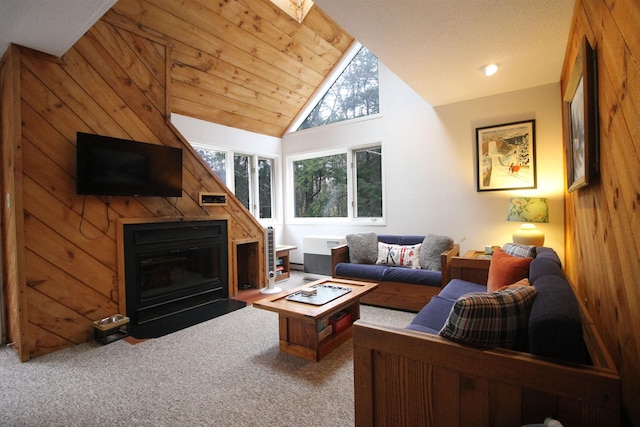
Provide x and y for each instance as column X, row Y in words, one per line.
column 430, row 175
column 429, row 154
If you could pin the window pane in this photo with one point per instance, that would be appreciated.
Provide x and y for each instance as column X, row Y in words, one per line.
column 320, row 187
column 368, row 171
column 241, row 174
column 217, row 161
column 353, row 94
column 265, row 184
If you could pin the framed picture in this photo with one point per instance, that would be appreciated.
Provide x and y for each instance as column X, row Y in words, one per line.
column 506, row 156
column 580, row 120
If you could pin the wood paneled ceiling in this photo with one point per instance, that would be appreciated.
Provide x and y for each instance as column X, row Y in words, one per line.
column 241, row 63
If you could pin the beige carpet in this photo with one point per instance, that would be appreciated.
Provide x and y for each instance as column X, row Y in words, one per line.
column 224, row 372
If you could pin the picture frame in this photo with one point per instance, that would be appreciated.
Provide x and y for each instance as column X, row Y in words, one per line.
column 580, row 120
column 506, row 156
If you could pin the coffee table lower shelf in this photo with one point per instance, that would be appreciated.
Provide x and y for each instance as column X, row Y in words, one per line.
column 303, row 339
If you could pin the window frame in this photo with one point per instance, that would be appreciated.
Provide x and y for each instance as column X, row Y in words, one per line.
column 328, row 82
column 351, row 217
column 254, row 190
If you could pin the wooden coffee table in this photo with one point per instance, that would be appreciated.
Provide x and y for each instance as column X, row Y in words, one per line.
column 302, row 325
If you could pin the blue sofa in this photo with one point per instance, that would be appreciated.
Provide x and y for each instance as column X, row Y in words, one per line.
column 555, row 323
column 398, row 287
column 564, row 371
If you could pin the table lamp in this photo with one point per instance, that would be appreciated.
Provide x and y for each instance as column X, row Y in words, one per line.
column 528, row 210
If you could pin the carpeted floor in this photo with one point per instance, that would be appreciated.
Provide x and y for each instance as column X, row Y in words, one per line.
column 227, row 371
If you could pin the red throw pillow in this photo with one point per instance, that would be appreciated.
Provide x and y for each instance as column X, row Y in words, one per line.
column 518, row 284
column 506, row 270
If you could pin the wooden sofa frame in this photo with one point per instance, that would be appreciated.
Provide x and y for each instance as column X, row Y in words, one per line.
column 402, row 296
column 410, row 378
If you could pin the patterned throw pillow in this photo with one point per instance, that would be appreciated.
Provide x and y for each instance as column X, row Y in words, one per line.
column 399, row 255
column 495, row 319
column 522, row 251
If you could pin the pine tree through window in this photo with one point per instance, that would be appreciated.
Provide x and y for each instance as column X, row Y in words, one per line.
column 354, row 94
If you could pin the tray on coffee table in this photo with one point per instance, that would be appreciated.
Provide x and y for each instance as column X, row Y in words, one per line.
column 323, row 295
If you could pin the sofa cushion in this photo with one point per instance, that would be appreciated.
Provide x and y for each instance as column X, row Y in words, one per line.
column 432, row 247
column 399, row 255
column 400, row 239
column 457, row 287
column 555, row 323
column 372, row 272
column 546, row 263
column 506, row 269
column 432, row 317
column 494, row 319
column 522, row 251
column 413, row 276
column 363, row 248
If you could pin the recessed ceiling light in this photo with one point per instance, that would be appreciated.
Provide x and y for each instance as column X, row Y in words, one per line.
column 489, row 70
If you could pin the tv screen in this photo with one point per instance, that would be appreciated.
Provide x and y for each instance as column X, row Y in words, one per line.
column 120, row 167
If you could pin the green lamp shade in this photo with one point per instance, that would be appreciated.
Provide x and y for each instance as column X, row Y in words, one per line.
column 528, row 209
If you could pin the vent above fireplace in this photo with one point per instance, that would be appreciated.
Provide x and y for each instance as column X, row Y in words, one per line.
column 211, row 199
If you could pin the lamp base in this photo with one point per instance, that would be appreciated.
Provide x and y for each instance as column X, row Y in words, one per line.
column 528, row 235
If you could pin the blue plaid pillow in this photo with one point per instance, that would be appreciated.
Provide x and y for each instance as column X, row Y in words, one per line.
column 491, row 319
column 522, row 251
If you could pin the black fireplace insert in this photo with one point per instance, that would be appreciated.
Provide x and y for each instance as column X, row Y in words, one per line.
column 175, row 274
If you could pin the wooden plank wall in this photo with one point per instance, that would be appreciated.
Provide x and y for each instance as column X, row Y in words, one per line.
column 240, row 63
column 114, row 81
column 13, row 284
column 602, row 221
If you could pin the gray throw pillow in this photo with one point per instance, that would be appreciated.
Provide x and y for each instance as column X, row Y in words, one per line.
column 432, row 248
column 363, row 248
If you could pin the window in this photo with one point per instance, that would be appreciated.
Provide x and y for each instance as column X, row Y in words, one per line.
column 242, row 179
column 252, row 178
column 354, row 94
column 217, row 161
column 321, row 185
column 265, row 187
column 368, row 181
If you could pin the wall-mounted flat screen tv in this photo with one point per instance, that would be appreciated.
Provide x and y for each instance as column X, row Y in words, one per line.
column 119, row 167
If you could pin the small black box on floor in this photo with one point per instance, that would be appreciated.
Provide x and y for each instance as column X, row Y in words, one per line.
column 110, row 328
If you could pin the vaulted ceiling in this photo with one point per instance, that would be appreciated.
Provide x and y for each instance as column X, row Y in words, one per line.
column 247, row 64
column 244, row 64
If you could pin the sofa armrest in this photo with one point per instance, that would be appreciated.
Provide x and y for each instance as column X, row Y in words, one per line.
column 424, row 379
column 338, row 254
column 445, row 259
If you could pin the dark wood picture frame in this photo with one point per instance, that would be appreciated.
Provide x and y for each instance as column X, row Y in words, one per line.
column 506, row 156
column 581, row 120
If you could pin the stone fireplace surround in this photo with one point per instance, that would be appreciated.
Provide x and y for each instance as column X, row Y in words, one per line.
column 172, row 274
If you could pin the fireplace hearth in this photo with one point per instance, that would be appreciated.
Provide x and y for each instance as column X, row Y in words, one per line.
column 175, row 275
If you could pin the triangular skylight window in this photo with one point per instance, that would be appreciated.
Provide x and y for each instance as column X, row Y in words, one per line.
column 354, row 93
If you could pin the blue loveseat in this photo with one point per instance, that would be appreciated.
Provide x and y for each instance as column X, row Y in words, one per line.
column 398, row 287
column 563, row 371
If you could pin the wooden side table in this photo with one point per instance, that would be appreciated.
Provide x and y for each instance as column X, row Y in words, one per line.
column 282, row 261
column 473, row 266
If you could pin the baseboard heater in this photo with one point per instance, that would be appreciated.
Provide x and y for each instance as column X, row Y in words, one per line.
column 317, row 253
